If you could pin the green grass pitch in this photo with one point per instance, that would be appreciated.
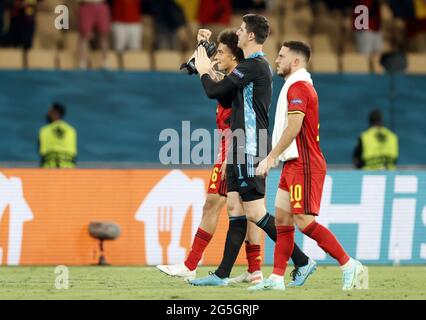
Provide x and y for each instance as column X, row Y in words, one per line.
column 386, row 282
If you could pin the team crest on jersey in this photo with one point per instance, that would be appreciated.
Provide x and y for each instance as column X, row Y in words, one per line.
column 296, row 101
column 238, row 73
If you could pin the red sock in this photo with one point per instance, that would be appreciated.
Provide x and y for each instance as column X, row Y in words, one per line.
column 254, row 257
column 201, row 241
column 283, row 249
column 326, row 241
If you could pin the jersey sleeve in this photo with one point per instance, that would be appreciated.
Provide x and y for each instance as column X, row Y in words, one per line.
column 297, row 98
column 226, row 99
column 243, row 73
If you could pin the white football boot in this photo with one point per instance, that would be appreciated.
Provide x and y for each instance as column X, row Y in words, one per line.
column 178, row 270
column 248, row 277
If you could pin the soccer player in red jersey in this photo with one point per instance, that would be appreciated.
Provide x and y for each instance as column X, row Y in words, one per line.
column 227, row 57
column 299, row 194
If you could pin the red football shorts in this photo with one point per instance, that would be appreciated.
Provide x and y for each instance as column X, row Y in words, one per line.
column 216, row 185
column 305, row 190
column 94, row 15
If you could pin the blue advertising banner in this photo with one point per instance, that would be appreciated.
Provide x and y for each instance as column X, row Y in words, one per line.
column 379, row 217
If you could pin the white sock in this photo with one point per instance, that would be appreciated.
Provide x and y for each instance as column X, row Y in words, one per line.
column 276, row 278
column 347, row 264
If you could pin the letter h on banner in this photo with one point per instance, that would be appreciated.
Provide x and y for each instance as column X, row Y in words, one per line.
column 368, row 214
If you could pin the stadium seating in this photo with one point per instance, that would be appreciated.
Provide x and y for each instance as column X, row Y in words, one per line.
column 95, row 59
column 67, row 60
column 328, row 33
column 137, row 61
column 355, row 63
column 11, row 59
column 46, row 36
column 416, row 63
column 42, row 59
column 275, row 26
column 321, row 43
column 378, row 68
column 271, row 48
column 236, row 20
column 148, row 33
column 302, row 19
column 165, row 60
column 70, row 40
column 290, row 36
column 324, row 62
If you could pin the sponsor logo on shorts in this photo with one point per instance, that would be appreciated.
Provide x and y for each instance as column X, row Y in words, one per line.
column 297, row 206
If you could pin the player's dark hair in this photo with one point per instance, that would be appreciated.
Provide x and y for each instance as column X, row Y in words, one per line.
column 259, row 25
column 59, row 108
column 229, row 38
column 375, row 118
column 299, row 47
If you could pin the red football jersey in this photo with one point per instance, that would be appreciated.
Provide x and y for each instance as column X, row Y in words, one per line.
column 215, row 12
column 126, row 11
column 223, row 122
column 302, row 98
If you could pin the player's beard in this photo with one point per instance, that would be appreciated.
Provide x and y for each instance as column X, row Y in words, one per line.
column 285, row 71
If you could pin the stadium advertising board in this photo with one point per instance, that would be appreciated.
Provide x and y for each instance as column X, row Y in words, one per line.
column 379, row 218
column 44, row 216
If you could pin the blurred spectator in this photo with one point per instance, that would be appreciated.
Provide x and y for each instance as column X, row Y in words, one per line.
column 413, row 12
column 2, row 24
column 93, row 14
column 215, row 15
column 338, row 5
column 2, row 12
column 126, row 26
column 377, row 147
column 190, row 9
column 329, row 17
column 171, row 30
column 215, row 12
column 251, row 6
column 369, row 42
column 57, row 140
column 22, row 25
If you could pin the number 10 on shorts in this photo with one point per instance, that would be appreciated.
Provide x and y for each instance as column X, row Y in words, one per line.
column 295, row 192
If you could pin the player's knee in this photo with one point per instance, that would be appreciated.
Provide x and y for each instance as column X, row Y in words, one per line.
column 303, row 220
column 298, row 219
column 284, row 219
column 233, row 209
column 210, row 207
